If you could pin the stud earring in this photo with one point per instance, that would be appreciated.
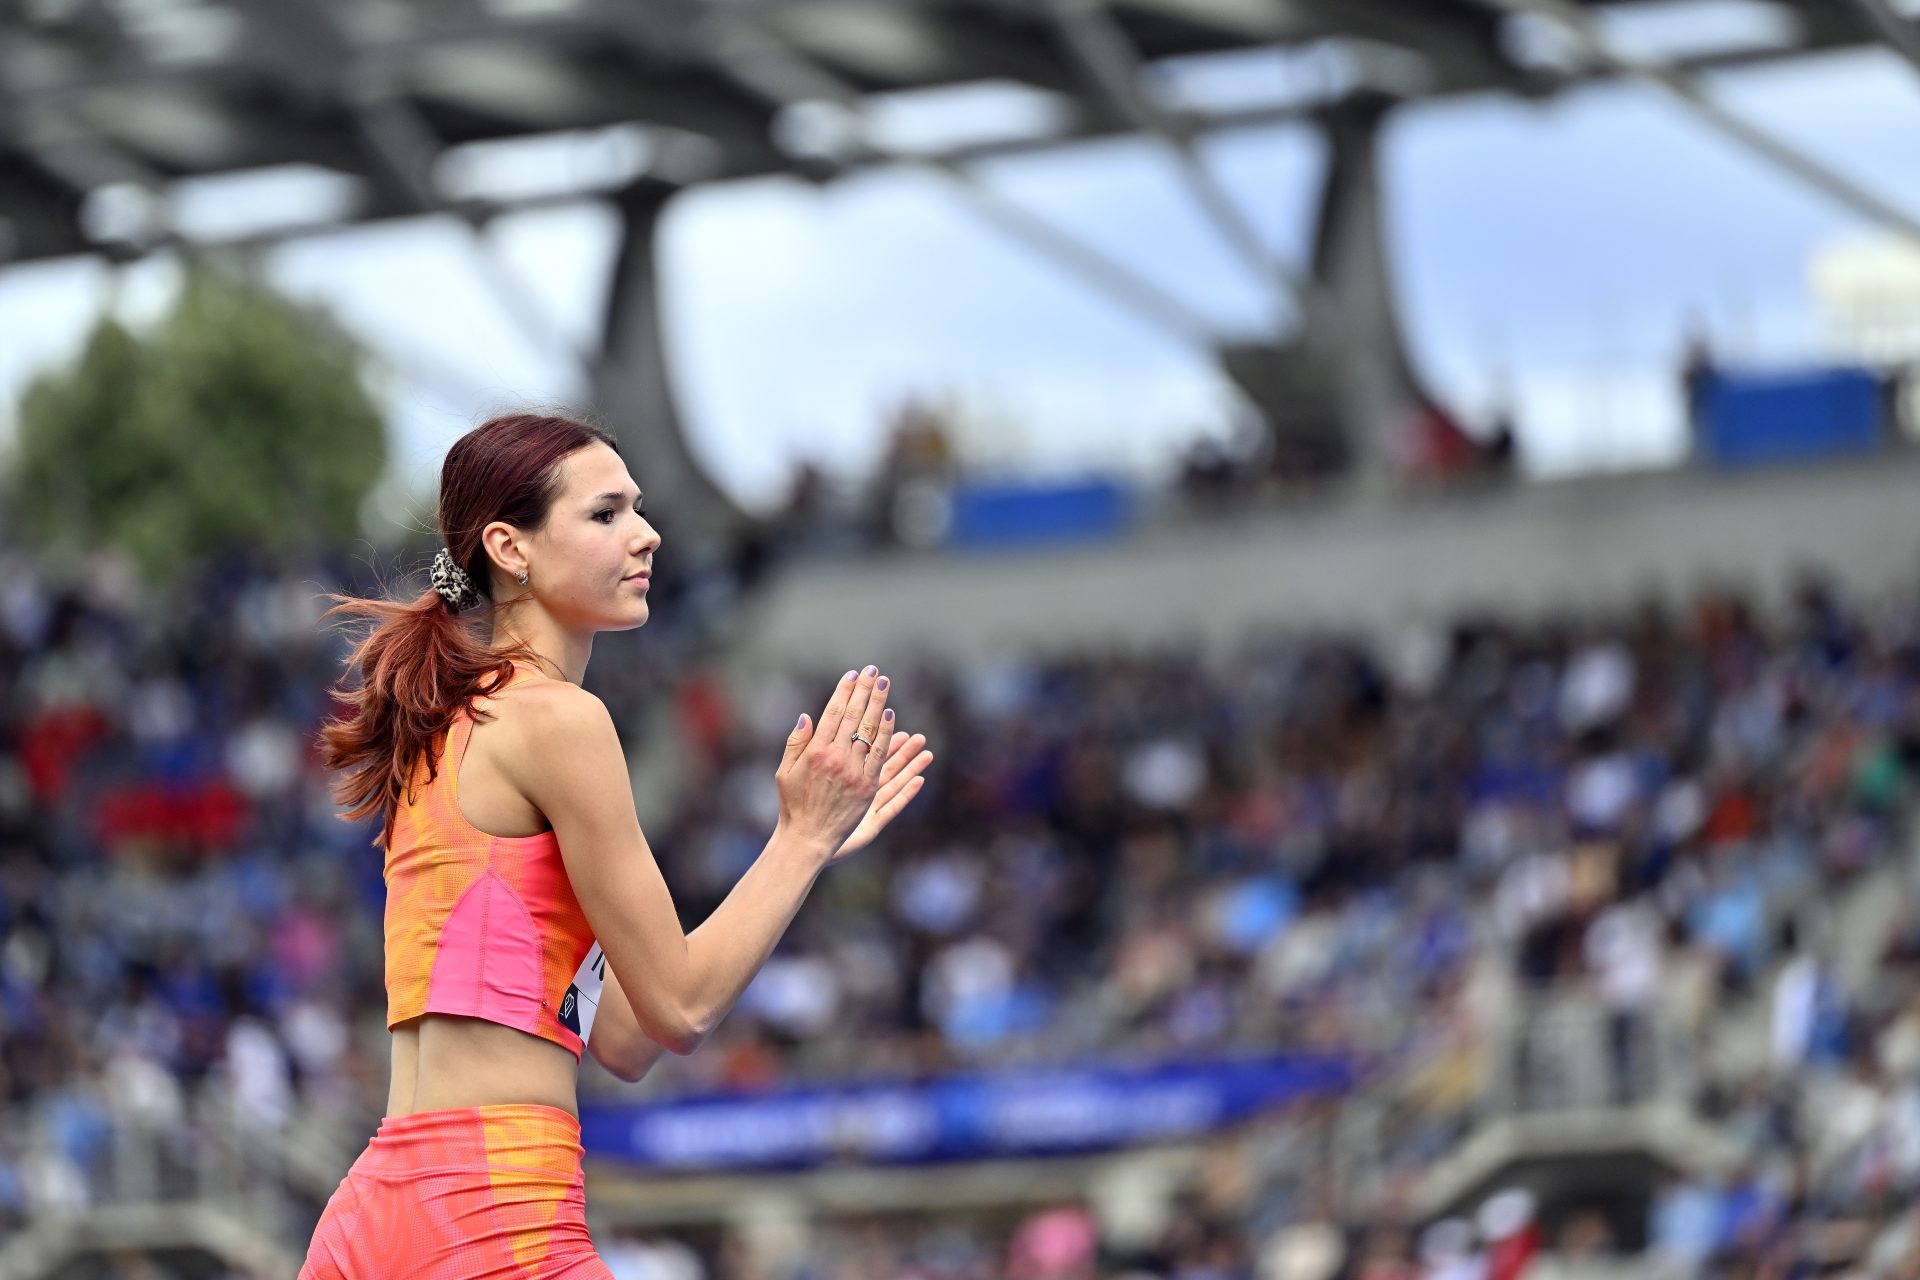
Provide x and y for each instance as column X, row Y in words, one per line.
column 523, row 577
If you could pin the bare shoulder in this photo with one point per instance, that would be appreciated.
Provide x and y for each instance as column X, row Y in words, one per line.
column 540, row 710
column 549, row 725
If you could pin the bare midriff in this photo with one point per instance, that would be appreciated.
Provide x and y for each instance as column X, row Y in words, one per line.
column 440, row 1061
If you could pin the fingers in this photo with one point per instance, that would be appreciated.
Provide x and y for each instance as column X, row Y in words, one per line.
column 858, row 703
column 911, row 766
column 903, row 770
column 849, row 708
column 876, row 726
column 905, row 779
column 904, row 745
column 836, row 707
column 887, row 808
column 796, row 743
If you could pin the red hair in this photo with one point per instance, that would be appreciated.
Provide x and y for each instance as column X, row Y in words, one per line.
column 419, row 663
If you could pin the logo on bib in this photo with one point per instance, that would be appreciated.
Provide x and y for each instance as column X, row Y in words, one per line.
column 582, row 1001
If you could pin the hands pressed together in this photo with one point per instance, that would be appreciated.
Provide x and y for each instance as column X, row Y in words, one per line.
column 844, row 779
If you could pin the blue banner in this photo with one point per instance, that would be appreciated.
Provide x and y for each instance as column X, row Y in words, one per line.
column 999, row 516
column 1751, row 420
column 1030, row 1113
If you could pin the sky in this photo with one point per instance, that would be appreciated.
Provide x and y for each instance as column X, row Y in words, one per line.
column 1549, row 256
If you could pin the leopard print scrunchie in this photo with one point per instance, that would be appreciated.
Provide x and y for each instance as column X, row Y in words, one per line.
column 454, row 584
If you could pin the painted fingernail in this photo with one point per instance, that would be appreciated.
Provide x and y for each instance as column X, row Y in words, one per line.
column 888, row 716
column 846, row 677
column 870, row 669
column 881, row 683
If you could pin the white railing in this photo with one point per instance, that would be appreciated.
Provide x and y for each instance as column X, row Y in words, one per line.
column 210, row 1178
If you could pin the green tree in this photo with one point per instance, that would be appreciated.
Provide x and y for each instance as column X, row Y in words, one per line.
column 240, row 419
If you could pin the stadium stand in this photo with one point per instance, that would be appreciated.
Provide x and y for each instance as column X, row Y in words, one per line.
column 1570, row 870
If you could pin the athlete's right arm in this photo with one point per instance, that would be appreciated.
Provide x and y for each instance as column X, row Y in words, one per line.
column 679, row 986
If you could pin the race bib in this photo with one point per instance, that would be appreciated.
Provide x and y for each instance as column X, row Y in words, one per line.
column 582, row 1000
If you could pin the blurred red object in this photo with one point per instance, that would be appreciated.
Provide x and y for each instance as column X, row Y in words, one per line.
column 704, row 715
column 52, row 741
column 201, row 815
column 1440, row 446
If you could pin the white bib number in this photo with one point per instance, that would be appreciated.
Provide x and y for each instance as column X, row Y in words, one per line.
column 582, row 1000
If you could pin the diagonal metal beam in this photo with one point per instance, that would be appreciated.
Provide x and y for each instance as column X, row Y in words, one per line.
column 1105, row 51
column 1308, row 111
column 1253, row 20
column 1897, row 31
column 1677, row 84
column 402, row 147
column 70, row 83
column 77, row 154
column 761, row 60
column 70, row 151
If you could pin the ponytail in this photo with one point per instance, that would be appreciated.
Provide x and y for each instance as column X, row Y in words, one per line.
column 419, row 665
column 420, row 662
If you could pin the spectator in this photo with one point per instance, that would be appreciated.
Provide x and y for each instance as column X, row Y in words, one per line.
column 1304, row 841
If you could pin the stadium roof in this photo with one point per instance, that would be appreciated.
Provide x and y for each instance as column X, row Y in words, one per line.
column 123, row 122
column 105, row 104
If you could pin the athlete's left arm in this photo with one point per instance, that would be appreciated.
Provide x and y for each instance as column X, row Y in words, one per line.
column 618, row 1043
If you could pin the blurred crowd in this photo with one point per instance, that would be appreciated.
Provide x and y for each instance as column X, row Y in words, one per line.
column 1238, row 465
column 179, row 903
column 1385, row 845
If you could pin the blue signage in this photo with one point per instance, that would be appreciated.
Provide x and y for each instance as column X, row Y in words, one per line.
column 1752, row 420
column 988, row 515
column 1027, row 1113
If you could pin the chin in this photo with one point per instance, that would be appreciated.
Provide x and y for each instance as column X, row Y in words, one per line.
column 629, row 621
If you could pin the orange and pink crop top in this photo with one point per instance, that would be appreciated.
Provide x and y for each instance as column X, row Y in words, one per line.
column 481, row 925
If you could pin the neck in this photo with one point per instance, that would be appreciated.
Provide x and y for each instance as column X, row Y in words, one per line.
column 560, row 653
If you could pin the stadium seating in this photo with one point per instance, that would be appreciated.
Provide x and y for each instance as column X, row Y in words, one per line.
column 1553, row 866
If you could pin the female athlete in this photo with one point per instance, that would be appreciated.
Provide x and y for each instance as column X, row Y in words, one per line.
column 526, row 919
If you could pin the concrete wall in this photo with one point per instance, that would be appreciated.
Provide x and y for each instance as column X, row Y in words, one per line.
column 1361, row 561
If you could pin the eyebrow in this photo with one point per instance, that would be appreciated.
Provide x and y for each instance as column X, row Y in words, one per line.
column 616, row 495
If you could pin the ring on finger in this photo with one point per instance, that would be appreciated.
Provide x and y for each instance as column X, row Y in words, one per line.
column 863, row 741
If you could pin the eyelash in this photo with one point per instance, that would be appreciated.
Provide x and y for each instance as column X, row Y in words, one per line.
column 640, row 511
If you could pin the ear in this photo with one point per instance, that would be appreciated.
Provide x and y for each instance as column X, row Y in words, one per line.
column 506, row 547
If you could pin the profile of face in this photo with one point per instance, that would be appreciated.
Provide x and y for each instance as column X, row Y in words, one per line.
column 583, row 565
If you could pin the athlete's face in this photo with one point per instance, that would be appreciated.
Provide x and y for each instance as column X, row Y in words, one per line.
column 582, row 565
